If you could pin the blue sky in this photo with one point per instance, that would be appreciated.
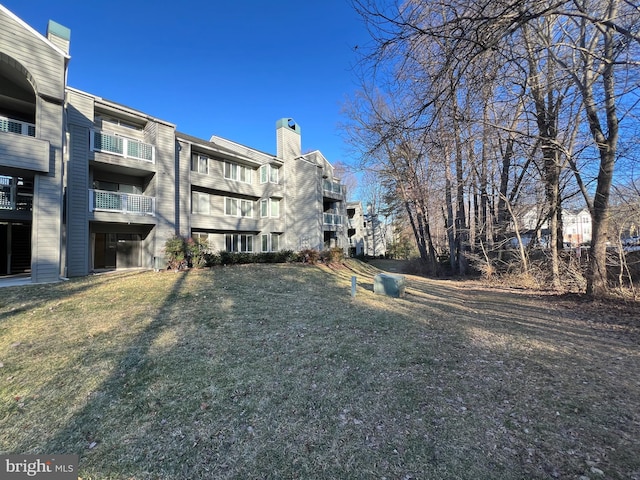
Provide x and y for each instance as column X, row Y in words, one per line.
column 229, row 68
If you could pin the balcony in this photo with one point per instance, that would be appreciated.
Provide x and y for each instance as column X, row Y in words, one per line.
column 122, row 146
column 125, row 203
column 16, row 126
column 333, row 219
column 19, row 149
column 22, row 202
column 332, row 189
column 16, row 194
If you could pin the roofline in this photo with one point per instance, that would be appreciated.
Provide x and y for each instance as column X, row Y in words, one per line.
column 125, row 108
column 28, row 27
column 215, row 138
column 225, row 150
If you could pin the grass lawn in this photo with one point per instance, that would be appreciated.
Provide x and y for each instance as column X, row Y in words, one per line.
column 275, row 372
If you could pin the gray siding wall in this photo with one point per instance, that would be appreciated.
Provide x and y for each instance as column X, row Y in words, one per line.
column 44, row 66
column 168, row 192
column 303, row 206
column 44, row 63
column 183, row 192
column 79, row 121
column 77, row 202
column 215, row 180
column 46, row 231
column 24, row 153
column 289, row 143
column 46, row 236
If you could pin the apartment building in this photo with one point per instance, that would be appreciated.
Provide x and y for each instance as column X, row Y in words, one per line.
column 367, row 235
column 89, row 184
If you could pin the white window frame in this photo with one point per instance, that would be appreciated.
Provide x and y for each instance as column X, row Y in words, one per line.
column 197, row 163
column 240, row 242
column 198, row 199
column 269, row 174
column 236, row 172
column 269, row 205
column 246, row 208
column 267, row 241
column 231, row 206
column 238, row 207
column 203, row 237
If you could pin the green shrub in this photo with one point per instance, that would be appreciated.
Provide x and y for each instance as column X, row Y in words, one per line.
column 285, row 256
column 238, row 258
column 212, row 259
column 181, row 252
column 196, row 252
column 175, row 252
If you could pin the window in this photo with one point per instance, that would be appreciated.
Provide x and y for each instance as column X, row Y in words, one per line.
column 270, row 242
column 270, row 207
column 238, row 208
column 240, row 173
column 238, row 242
column 268, row 173
column 202, row 238
column 200, row 164
column 230, row 170
column 275, row 207
column 117, row 187
column 231, row 206
column 117, row 121
column 200, row 203
column 246, row 208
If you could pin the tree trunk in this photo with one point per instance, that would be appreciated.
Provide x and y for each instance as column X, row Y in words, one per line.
column 607, row 146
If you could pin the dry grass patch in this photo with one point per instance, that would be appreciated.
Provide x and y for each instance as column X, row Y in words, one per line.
column 274, row 371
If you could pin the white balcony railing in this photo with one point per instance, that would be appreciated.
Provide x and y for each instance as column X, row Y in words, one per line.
column 332, row 219
column 16, row 126
column 128, row 203
column 333, row 187
column 11, row 198
column 123, row 146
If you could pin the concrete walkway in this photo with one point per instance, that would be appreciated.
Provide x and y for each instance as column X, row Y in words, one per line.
column 15, row 280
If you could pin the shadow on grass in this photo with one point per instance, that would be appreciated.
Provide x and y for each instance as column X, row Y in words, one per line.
column 276, row 372
column 88, row 425
column 25, row 298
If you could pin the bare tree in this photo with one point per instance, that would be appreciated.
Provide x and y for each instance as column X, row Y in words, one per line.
column 572, row 49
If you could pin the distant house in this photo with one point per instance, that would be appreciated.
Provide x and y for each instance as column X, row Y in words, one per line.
column 87, row 183
column 576, row 227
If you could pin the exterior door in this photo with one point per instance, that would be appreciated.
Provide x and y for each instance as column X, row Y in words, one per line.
column 105, row 251
column 128, row 251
